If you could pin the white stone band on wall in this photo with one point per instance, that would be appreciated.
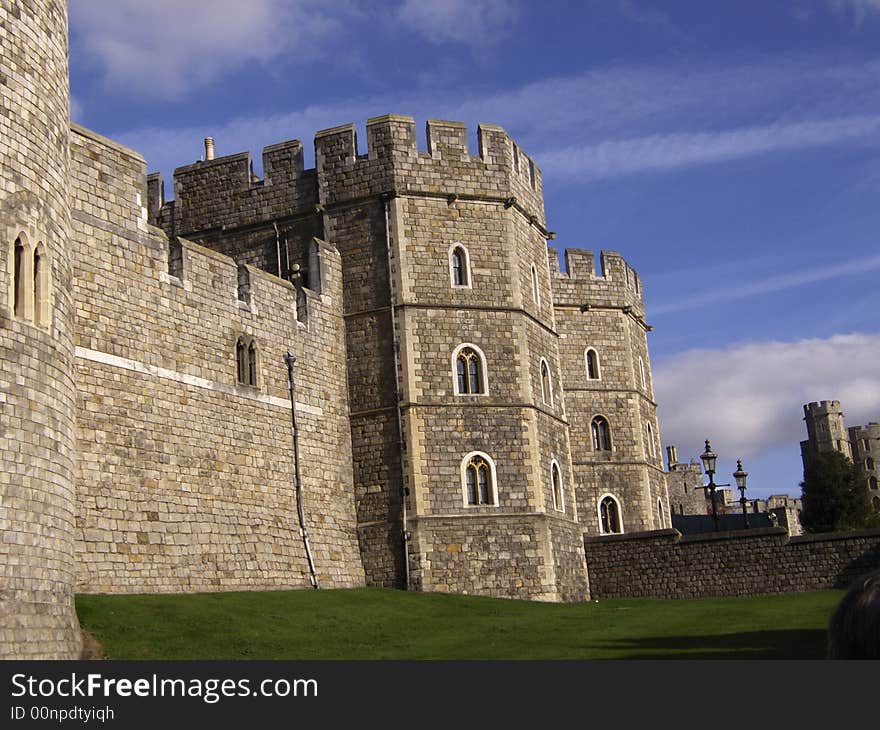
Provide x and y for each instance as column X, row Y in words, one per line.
column 196, row 382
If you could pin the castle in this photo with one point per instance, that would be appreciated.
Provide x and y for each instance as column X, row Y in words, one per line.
column 827, row 431
column 464, row 411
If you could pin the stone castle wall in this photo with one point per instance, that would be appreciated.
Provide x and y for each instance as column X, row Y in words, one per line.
column 185, row 477
column 37, row 619
column 663, row 564
column 394, row 213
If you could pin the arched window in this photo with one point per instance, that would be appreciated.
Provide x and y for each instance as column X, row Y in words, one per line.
column 592, row 360
column 601, row 434
column 659, row 513
column 478, row 477
column 241, row 361
column 556, row 487
column 652, row 452
column 470, row 376
column 876, row 503
column 869, row 464
column 872, row 482
column 609, row 516
column 536, row 289
column 41, row 286
column 252, row 364
column 459, row 266
column 19, row 292
column 642, row 373
column 546, row 384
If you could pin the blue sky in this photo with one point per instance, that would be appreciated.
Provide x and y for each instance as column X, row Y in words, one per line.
column 729, row 149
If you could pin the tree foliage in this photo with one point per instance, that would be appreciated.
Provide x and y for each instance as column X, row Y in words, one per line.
column 834, row 495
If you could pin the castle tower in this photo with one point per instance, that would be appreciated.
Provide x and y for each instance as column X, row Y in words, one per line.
column 36, row 340
column 459, row 430
column 826, row 430
column 865, row 443
column 606, row 373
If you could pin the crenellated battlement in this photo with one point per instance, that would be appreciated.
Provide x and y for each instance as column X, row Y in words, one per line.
column 614, row 285
column 393, row 162
column 822, row 408
column 225, row 192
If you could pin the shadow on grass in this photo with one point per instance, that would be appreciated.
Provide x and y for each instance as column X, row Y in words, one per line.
column 788, row 644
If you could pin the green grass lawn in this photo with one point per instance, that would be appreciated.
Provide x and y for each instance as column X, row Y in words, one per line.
column 372, row 623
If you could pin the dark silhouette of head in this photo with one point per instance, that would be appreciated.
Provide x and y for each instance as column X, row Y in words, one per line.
column 854, row 630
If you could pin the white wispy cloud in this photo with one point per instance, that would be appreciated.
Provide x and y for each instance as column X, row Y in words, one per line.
column 165, row 47
column 746, row 289
column 613, row 158
column 628, row 119
column 749, row 398
column 472, row 22
column 860, row 9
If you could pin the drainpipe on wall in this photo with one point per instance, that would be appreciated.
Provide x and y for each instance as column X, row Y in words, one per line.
column 290, row 360
column 395, row 346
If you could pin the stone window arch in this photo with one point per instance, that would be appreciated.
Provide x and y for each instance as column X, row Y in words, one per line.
column 652, row 444
column 478, row 479
column 21, row 284
column 600, row 430
column 469, row 370
column 459, row 266
column 642, row 375
column 610, row 515
column 41, row 270
column 591, row 360
column 556, row 487
column 546, row 384
column 660, row 513
column 247, row 361
column 872, row 482
column 869, row 464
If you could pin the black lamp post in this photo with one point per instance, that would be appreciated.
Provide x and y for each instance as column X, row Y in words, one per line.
column 741, row 477
column 709, row 458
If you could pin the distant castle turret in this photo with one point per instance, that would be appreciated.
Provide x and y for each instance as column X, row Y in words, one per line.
column 827, row 431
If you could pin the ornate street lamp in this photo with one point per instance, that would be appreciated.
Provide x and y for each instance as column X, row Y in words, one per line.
column 709, row 458
column 741, row 477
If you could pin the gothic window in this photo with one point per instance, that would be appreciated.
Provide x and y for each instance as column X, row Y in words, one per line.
column 19, row 280
column 536, row 290
column 459, row 266
column 876, row 503
column 478, row 472
column 546, row 385
column 869, row 464
column 601, row 434
column 556, row 485
column 650, row 436
column 872, row 482
column 470, row 376
column 246, row 361
column 252, row 364
column 592, row 361
column 659, row 513
column 609, row 516
column 41, row 287
column 642, row 373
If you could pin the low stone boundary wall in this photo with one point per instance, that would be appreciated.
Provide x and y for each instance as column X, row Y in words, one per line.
column 665, row 564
